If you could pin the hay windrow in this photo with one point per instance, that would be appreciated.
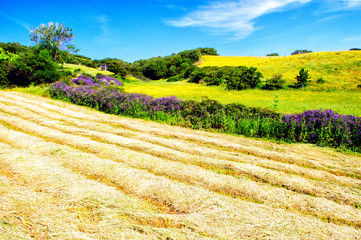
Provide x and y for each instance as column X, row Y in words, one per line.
column 121, row 175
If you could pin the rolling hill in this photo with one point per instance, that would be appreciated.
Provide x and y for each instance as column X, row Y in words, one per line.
column 338, row 70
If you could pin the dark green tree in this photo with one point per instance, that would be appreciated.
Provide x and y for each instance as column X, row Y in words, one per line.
column 303, row 78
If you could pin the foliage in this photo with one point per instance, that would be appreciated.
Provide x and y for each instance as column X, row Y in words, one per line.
column 274, row 83
column 355, row 49
column 302, row 78
column 243, row 78
column 16, row 48
column 6, row 56
column 118, row 67
column 272, row 55
column 53, row 36
column 36, row 68
column 155, row 69
column 177, row 78
column 320, row 80
column 300, row 52
column 208, row 51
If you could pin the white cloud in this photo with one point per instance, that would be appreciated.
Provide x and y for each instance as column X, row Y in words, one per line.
column 352, row 3
column 234, row 17
column 342, row 5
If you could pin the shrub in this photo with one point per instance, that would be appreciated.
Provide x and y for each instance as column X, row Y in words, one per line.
column 118, row 68
column 274, row 83
column 155, row 69
column 177, row 78
column 320, row 80
column 4, row 73
column 243, row 78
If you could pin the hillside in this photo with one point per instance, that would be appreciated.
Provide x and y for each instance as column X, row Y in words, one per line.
column 69, row 172
column 339, row 70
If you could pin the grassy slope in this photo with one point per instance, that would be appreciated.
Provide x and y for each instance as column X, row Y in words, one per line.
column 290, row 101
column 340, row 70
column 68, row 172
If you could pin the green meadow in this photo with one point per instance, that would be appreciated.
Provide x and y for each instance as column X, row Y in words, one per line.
column 289, row 101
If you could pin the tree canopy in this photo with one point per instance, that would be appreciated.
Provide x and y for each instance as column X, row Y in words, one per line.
column 53, row 37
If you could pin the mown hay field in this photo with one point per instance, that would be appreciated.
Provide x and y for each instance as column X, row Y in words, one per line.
column 69, row 172
column 339, row 70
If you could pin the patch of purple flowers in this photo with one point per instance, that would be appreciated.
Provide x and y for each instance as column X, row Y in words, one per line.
column 322, row 127
column 106, row 80
column 86, row 81
column 325, row 127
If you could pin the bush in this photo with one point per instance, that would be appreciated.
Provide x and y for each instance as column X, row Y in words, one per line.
column 196, row 76
column 243, row 78
column 320, row 80
column 4, row 73
column 274, row 83
column 177, row 78
column 155, row 69
column 118, row 68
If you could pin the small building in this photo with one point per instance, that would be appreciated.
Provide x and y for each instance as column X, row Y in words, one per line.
column 103, row 67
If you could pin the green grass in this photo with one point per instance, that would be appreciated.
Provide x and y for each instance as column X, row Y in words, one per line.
column 290, row 101
column 40, row 90
column 92, row 71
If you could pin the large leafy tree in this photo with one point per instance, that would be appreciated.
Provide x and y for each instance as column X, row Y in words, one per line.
column 53, row 37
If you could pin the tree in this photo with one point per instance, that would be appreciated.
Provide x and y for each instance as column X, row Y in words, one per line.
column 302, row 78
column 300, row 51
column 53, row 37
column 272, row 55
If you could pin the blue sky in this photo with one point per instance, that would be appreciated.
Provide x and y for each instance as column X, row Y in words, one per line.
column 140, row 29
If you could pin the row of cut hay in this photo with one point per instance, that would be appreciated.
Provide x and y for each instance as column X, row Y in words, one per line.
column 57, row 203
column 197, row 176
column 301, row 155
column 332, row 192
column 186, row 146
column 91, row 208
column 324, row 160
column 209, row 213
column 10, row 195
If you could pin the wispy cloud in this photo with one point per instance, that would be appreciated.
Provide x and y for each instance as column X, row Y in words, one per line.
column 103, row 23
column 342, row 5
column 234, row 17
column 17, row 21
column 352, row 39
